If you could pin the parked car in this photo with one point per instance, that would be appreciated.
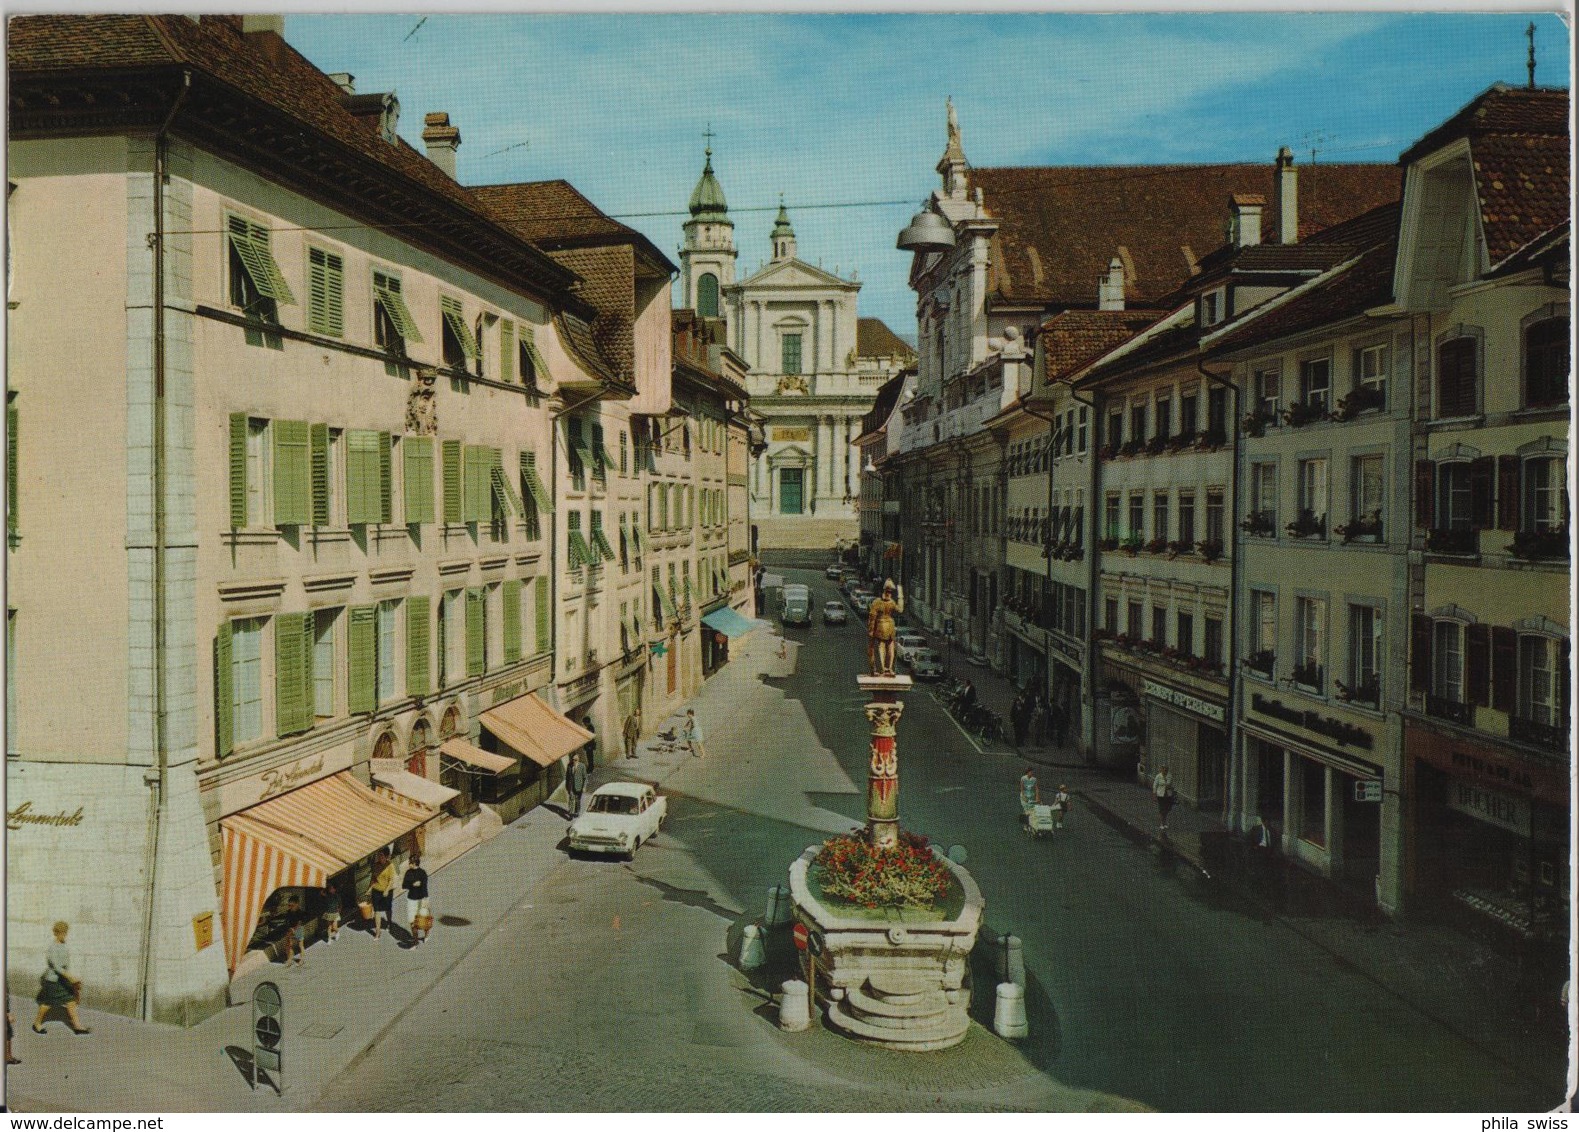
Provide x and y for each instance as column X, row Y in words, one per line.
column 925, row 664
column 834, row 613
column 834, row 571
column 860, row 599
column 619, row 817
column 906, row 642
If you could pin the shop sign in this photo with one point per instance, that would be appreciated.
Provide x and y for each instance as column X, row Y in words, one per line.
column 23, row 814
column 1491, row 806
column 1466, row 763
column 791, row 435
column 1182, row 699
column 282, row 778
column 1341, row 733
column 277, row 780
column 509, row 691
column 581, row 685
column 1368, row 790
column 1124, row 730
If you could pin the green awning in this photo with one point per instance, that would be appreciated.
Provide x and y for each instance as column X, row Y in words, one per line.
column 730, row 623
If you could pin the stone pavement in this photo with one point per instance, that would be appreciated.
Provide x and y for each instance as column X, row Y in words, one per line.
column 1479, row 993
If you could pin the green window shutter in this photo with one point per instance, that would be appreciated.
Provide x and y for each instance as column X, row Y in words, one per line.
column 251, row 242
column 386, row 481
column 418, row 641
column 386, row 291
column 534, row 484
column 529, row 340
column 363, row 630
column 508, row 499
column 454, row 500
column 476, row 642
column 511, row 595
column 238, row 470
column 318, row 447
column 10, row 466
column 325, row 293
column 309, row 696
column 224, row 693
column 292, row 473
column 362, row 465
column 419, row 478
column 540, row 602
column 506, row 350
column 292, row 654
column 455, row 318
column 473, row 483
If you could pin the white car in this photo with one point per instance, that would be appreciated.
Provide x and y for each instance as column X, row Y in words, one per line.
column 906, row 642
column 835, row 572
column 926, row 664
column 620, row 816
column 834, row 613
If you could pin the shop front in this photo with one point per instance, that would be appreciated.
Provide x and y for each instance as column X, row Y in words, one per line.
column 1490, row 833
column 539, row 740
column 1186, row 731
column 720, row 626
column 311, row 844
column 1317, row 781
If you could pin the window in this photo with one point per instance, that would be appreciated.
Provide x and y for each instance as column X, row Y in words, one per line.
column 530, row 362
column 1133, row 619
column 1115, row 429
column 257, row 286
column 1159, row 515
column 1211, row 308
column 1187, row 520
column 581, row 554
column 1212, row 643
column 1137, row 515
column 577, row 454
column 1447, row 661
column 325, row 293
column 1214, row 516
column 1110, row 528
column 1546, row 363
column 11, row 469
column 10, row 683
column 1312, row 519
column 1188, row 418
column 259, row 473
column 1313, row 801
column 369, row 490
column 1310, row 644
column 393, row 327
column 458, row 345
column 246, row 679
column 1263, row 498
column 791, row 353
column 1457, row 379
column 1315, row 384
column 476, row 630
column 1263, row 631
column 1370, row 369
column 1186, row 633
column 387, row 611
column 1267, row 388
column 1217, row 414
column 707, row 295
column 1545, row 482
column 1365, row 651
column 1082, row 431
column 600, row 456
column 1164, row 417
column 1454, row 511
column 1159, row 624
column 1110, row 614
column 324, row 670
column 1366, row 485
column 1137, row 423
column 624, row 452
column 1543, row 686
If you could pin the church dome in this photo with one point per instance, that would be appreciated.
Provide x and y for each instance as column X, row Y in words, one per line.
column 707, row 199
column 781, row 224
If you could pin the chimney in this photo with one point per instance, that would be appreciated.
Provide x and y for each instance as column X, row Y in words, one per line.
column 1286, row 198
column 345, row 81
column 261, row 22
column 441, row 140
column 1244, row 210
column 1110, row 287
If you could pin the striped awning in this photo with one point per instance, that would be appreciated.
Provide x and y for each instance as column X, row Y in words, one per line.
column 302, row 838
column 536, row 730
column 474, row 756
column 401, row 781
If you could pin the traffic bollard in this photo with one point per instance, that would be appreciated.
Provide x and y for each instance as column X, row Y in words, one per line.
column 1011, row 960
column 779, row 906
column 1008, row 1018
column 752, row 954
column 794, row 1013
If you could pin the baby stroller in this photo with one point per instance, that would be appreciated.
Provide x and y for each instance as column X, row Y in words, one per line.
column 1039, row 820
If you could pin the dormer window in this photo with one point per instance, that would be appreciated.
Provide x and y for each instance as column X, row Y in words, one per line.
column 1213, row 308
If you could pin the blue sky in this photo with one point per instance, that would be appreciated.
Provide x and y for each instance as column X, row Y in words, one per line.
column 848, row 110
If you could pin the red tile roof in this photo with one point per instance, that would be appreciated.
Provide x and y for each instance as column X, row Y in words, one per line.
column 1060, row 226
column 1073, row 339
column 882, row 405
column 873, row 339
column 554, row 214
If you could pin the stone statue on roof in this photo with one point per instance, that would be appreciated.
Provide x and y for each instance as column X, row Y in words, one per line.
column 953, row 123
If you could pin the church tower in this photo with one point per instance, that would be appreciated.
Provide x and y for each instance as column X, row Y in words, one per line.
column 707, row 260
column 783, row 235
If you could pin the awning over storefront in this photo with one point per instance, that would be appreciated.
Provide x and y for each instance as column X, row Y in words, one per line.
column 730, row 623
column 536, row 730
column 462, row 751
column 303, row 837
column 413, row 786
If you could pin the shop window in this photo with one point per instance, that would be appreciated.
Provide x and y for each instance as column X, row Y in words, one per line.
column 1313, row 802
column 1457, row 378
column 1546, row 363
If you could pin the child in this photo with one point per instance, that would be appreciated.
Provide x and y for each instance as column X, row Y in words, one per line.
column 1060, row 805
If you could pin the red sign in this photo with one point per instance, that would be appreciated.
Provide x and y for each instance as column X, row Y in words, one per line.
column 801, row 935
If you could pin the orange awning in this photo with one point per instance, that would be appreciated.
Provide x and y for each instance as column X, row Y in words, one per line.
column 462, row 751
column 536, row 730
column 303, row 837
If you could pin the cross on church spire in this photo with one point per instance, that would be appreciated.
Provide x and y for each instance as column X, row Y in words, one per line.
column 709, row 135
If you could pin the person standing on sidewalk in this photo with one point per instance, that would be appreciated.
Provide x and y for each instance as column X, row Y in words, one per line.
column 575, row 785
column 632, row 733
column 415, row 882
column 1162, row 789
column 381, row 894
column 692, row 734
column 1030, row 792
column 295, row 935
column 1060, row 805
column 58, row 987
column 1018, row 717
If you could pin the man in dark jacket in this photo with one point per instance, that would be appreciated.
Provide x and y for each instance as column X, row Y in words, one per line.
column 415, row 882
column 575, row 783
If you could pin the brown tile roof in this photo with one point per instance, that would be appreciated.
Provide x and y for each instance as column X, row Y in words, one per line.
column 1073, row 339
column 873, row 339
column 882, row 405
column 608, row 283
column 1518, row 141
column 1060, row 226
column 263, row 68
column 554, row 214
column 1549, row 248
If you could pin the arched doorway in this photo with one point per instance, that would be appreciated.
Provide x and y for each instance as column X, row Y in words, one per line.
column 417, row 749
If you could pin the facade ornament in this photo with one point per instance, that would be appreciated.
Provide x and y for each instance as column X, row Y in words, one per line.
column 793, row 383
column 422, row 415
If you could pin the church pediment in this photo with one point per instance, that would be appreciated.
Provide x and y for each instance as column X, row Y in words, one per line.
column 796, row 273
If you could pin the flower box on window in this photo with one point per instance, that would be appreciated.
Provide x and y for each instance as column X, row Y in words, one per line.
column 1443, row 540
column 1367, row 691
column 1256, row 423
column 1533, row 545
column 1211, row 439
column 1109, row 452
column 1211, row 551
column 1264, row 662
column 1156, row 445
column 1259, row 523
column 1361, row 399
column 1183, row 440
column 1157, row 546
column 1132, row 545
column 1177, row 548
column 1303, row 413
column 1307, row 675
column 1109, row 544
column 1308, row 525
column 1131, row 447
column 1366, row 527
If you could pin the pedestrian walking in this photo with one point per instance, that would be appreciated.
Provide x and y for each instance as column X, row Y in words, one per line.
column 295, row 934
column 1038, row 727
column 575, row 784
column 632, row 733
column 382, row 892
column 331, row 917
column 1019, row 717
column 58, row 986
column 415, row 882
column 1030, row 792
column 1162, row 789
column 1060, row 805
column 10, row 1032
column 692, row 734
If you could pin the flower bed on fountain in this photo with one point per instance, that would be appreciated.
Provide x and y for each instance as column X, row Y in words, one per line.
column 894, row 966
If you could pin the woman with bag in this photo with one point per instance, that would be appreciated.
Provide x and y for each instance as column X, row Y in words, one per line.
column 1162, row 790
column 382, row 893
column 57, row 986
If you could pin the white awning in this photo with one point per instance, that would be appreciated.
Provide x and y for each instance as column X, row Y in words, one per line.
column 414, row 786
column 462, row 751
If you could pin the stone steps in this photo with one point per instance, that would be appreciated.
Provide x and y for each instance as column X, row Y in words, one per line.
column 901, row 1012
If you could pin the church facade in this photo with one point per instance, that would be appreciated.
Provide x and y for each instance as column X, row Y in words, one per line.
column 815, row 369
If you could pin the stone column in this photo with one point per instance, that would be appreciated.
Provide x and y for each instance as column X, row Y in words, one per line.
column 882, row 783
column 824, row 447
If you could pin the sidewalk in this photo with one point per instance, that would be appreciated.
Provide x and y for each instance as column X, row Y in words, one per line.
column 1464, row 985
column 347, row 997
